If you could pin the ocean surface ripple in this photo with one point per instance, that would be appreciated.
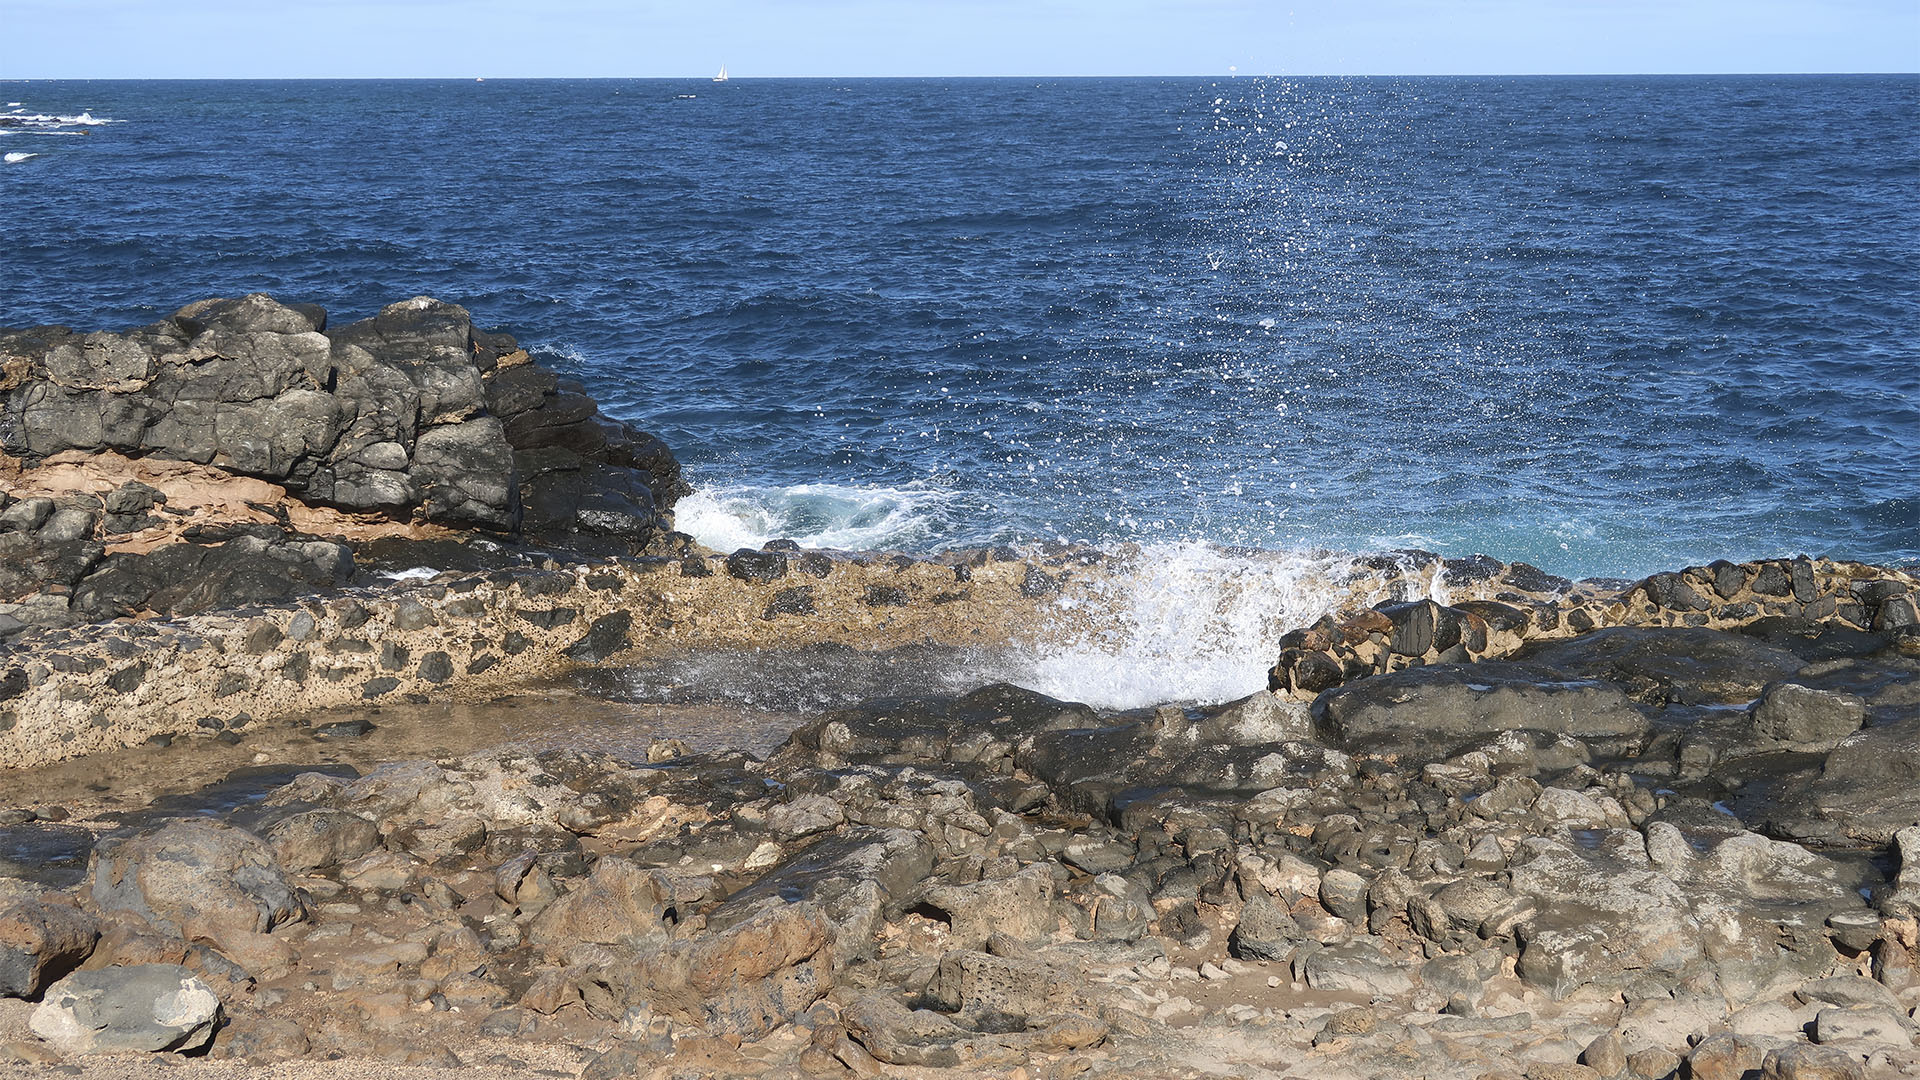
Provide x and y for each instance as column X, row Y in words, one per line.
column 1604, row 325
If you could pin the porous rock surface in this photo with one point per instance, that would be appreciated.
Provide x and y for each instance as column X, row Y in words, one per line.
column 997, row 881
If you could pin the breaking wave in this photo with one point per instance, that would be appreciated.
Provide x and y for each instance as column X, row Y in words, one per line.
column 840, row 516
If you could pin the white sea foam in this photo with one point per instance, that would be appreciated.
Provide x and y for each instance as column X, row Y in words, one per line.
column 815, row 515
column 412, row 573
column 1191, row 623
column 17, row 157
column 31, row 121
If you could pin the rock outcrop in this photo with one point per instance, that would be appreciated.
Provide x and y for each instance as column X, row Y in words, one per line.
column 230, row 453
column 413, row 412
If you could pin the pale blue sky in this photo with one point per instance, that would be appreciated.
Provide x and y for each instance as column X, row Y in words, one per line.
column 503, row 38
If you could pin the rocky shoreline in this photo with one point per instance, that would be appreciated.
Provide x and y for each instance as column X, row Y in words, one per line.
column 1483, row 821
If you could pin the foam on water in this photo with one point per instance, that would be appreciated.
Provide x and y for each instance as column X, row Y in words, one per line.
column 839, row 516
column 17, row 157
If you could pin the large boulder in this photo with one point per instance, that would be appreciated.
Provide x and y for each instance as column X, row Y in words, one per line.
column 261, row 567
column 193, row 878
column 40, row 942
column 1867, row 790
column 744, row 980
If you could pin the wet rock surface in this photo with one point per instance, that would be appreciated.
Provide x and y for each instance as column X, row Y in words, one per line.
column 1605, row 868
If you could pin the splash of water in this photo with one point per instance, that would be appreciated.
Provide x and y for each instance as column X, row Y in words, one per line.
column 1189, row 623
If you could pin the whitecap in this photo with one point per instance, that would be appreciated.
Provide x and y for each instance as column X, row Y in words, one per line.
column 17, row 157
column 840, row 516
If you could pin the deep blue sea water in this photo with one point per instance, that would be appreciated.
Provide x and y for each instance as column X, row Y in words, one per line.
column 1605, row 325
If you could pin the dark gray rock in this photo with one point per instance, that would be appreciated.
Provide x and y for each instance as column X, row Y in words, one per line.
column 981, row 727
column 850, row 877
column 1662, row 665
column 316, row 839
column 750, row 565
column 29, row 564
column 1806, row 718
column 1264, row 931
column 1867, row 790
column 406, row 412
column 142, row 1008
column 1442, row 708
column 607, row 635
column 189, row 578
column 27, row 515
column 464, row 473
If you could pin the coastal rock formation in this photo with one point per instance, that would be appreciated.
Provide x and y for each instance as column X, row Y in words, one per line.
column 141, row 1008
column 1002, row 880
column 77, row 690
column 228, row 454
column 1524, row 609
column 413, row 412
column 1483, row 821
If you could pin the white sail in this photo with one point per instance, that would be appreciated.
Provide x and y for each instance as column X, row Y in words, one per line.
column 722, row 77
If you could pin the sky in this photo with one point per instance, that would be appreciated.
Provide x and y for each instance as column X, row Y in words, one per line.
column 853, row 38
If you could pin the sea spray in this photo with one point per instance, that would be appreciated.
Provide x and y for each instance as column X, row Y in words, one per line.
column 1183, row 622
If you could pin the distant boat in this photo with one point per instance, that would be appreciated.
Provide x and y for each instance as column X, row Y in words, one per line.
column 722, row 77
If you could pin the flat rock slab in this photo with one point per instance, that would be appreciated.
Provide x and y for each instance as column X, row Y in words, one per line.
column 1669, row 665
column 1447, row 706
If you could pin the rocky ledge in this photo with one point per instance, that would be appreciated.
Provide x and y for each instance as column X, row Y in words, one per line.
column 240, row 450
column 1651, row 851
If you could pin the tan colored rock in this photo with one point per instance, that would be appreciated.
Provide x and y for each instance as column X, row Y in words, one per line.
column 618, row 904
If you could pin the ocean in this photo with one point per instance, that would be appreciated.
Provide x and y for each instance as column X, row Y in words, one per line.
column 1602, row 325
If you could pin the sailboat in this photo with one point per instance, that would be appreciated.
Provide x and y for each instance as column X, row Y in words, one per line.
column 722, row 77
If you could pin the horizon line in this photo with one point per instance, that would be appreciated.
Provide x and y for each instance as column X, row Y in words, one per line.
column 907, row 78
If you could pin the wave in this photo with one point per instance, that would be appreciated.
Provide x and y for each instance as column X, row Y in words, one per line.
column 840, row 516
column 84, row 119
column 18, row 157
